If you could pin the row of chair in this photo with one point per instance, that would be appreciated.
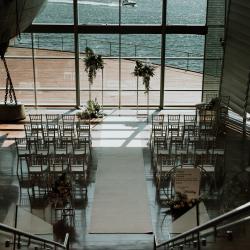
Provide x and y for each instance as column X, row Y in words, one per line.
column 81, row 147
column 59, row 180
column 167, row 165
column 187, row 142
column 53, row 146
column 56, row 126
column 40, row 166
column 190, row 126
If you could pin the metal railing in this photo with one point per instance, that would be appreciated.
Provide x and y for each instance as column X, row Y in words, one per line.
column 63, row 43
column 111, row 49
column 20, row 236
column 214, row 225
column 175, row 58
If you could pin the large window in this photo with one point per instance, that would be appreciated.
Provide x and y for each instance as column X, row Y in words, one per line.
column 48, row 68
column 184, row 68
column 55, row 69
column 20, row 64
column 144, row 12
column 56, row 11
column 105, row 90
column 186, row 11
column 99, row 12
column 113, row 11
column 145, row 48
column 44, row 74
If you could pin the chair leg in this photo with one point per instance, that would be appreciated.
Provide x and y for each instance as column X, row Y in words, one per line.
column 17, row 166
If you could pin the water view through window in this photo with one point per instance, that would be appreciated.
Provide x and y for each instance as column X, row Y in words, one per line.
column 183, row 52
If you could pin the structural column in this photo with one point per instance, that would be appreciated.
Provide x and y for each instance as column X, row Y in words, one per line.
column 163, row 53
column 76, row 43
column 120, row 40
column 34, row 68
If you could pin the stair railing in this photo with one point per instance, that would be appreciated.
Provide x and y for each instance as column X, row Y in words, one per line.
column 213, row 224
column 22, row 236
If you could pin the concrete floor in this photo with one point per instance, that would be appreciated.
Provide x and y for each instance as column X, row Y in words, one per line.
column 234, row 188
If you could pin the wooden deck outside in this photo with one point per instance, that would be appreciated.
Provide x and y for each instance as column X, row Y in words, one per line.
column 55, row 81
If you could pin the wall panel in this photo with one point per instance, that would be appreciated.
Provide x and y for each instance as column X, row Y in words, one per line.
column 237, row 55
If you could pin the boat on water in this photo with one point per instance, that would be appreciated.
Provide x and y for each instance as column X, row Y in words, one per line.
column 16, row 16
column 128, row 3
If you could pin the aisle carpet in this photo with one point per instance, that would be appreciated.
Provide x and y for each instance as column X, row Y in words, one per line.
column 120, row 200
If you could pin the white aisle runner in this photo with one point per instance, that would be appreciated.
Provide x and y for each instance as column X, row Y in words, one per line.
column 120, row 199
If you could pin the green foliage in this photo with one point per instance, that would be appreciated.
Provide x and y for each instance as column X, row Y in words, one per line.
column 93, row 107
column 92, row 110
column 181, row 201
column 138, row 68
column 93, row 63
column 181, row 204
column 146, row 71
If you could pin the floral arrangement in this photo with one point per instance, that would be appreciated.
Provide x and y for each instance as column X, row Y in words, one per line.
column 181, row 204
column 93, row 63
column 146, row 71
column 92, row 110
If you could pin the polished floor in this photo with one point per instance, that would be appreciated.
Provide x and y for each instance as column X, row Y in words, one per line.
column 122, row 128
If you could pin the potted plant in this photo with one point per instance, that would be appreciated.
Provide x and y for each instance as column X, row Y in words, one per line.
column 10, row 110
column 146, row 71
column 180, row 204
column 93, row 63
column 91, row 111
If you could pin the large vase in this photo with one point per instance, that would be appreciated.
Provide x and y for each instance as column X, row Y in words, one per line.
column 12, row 112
